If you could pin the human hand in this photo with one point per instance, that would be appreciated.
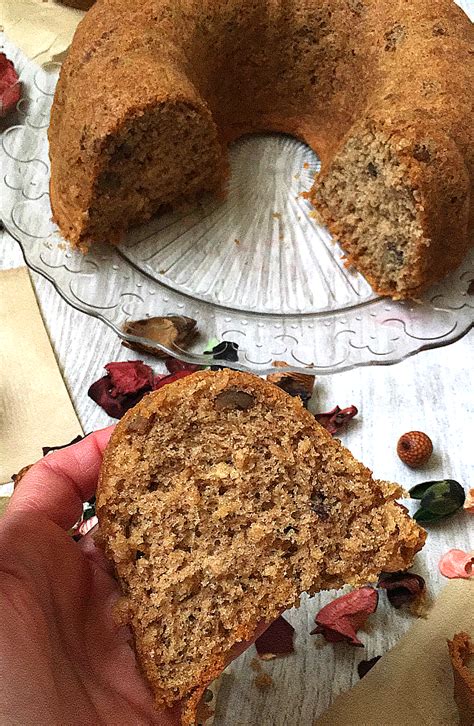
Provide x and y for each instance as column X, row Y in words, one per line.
column 63, row 660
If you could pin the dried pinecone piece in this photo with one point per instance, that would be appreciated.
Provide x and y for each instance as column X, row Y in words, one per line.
column 173, row 332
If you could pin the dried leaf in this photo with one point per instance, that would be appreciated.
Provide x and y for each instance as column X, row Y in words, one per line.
column 341, row 619
column 294, row 383
column 419, row 491
column 439, row 499
column 457, row 564
column 334, row 420
column 364, row 666
column 423, row 516
column 173, row 332
column 403, row 588
column 276, row 641
column 461, row 650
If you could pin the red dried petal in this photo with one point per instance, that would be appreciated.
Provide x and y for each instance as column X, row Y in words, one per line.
column 403, row 588
column 10, row 87
column 130, row 376
column 334, row 420
column 276, row 641
column 115, row 405
column 341, row 619
column 174, row 365
column 163, row 380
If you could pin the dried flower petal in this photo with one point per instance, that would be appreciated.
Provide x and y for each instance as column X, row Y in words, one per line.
column 294, row 383
column 10, row 87
column 129, row 376
column 123, row 387
column 174, row 365
column 341, row 619
column 403, row 588
column 461, row 650
column 364, row 666
column 469, row 502
column 276, row 641
column 115, row 405
column 174, row 331
column 457, row 564
column 336, row 419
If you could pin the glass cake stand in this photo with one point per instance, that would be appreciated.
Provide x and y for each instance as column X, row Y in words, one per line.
column 256, row 269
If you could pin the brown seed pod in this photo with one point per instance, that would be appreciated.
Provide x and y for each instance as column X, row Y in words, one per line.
column 414, row 448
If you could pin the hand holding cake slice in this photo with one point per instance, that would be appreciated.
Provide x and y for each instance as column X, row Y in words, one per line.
column 220, row 501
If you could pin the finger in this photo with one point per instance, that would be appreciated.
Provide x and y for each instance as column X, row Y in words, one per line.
column 58, row 484
column 94, row 552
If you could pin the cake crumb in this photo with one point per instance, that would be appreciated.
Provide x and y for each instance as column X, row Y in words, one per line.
column 276, row 215
column 306, row 165
column 237, row 241
column 256, row 665
column 263, row 681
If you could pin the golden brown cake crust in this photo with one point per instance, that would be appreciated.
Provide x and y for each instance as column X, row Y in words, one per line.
column 220, row 501
column 461, row 650
column 186, row 77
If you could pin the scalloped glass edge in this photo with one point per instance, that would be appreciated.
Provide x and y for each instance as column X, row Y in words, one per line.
column 187, row 356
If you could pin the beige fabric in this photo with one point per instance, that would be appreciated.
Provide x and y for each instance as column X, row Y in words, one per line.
column 43, row 29
column 35, row 408
column 413, row 683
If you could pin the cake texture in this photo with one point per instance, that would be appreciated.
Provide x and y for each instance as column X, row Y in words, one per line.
column 152, row 93
column 220, row 501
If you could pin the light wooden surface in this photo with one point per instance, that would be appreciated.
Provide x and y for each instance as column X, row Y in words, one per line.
column 431, row 391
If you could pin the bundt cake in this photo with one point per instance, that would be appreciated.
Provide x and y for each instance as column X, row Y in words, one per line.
column 220, row 501
column 152, row 93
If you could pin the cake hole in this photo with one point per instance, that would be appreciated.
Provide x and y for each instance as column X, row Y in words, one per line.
column 372, row 169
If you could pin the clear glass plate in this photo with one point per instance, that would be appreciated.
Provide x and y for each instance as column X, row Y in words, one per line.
column 255, row 268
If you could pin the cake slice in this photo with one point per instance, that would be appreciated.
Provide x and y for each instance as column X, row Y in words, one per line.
column 220, row 501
